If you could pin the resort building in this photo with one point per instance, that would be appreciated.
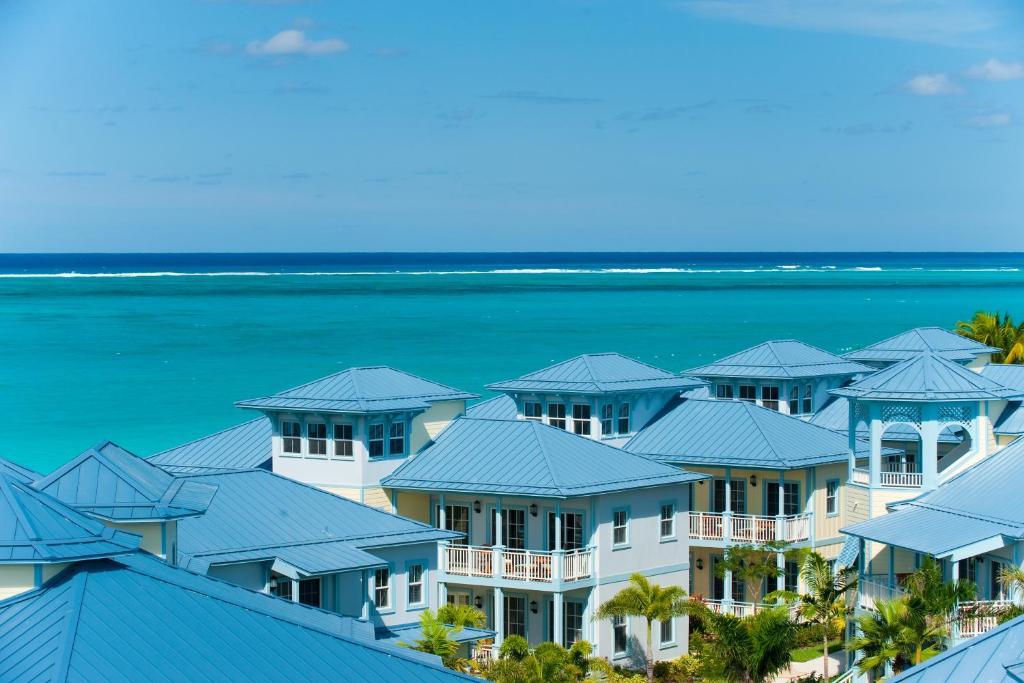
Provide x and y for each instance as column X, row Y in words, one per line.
column 773, row 478
column 1010, row 423
column 128, row 493
column 601, row 396
column 934, row 340
column 785, row 375
column 244, row 447
column 345, row 432
column 554, row 524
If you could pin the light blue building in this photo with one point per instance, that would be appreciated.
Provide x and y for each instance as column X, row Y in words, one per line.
column 243, row 447
column 785, row 375
column 554, row 525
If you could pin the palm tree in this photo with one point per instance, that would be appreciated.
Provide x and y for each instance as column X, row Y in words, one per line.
column 998, row 330
column 933, row 597
column 753, row 649
column 650, row 601
column 879, row 639
column 461, row 616
column 436, row 631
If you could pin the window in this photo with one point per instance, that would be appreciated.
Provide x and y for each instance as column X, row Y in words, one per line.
column 624, row 427
column 515, row 615
column 556, row 415
column 291, row 437
column 607, row 419
column 668, row 631
column 794, row 400
column 620, row 527
column 808, row 400
column 737, row 492
column 748, row 392
column 995, row 587
column 396, row 442
column 572, row 530
column 382, row 587
column 376, row 440
column 316, row 433
column 456, row 518
column 969, row 569
column 790, row 501
column 832, row 497
column 668, row 520
column 572, row 622
column 309, row 592
column 513, row 528
column 532, row 411
column 343, row 441
column 415, row 574
column 281, row 587
column 621, row 635
column 792, row 580
column 770, row 397
column 723, row 391
column 581, row 419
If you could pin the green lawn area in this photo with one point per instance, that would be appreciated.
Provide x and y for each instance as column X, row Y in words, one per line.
column 806, row 654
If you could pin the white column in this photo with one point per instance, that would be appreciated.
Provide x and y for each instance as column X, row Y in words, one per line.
column 499, row 617
column 929, row 446
column 367, row 593
column 875, row 457
column 727, row 595
column 442, row 594
column 295, row 590
column 780, row 559
column 556, row 560
column 499, row 531
column 558, row 609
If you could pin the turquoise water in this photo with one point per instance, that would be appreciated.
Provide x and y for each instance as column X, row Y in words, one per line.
column 151, row 362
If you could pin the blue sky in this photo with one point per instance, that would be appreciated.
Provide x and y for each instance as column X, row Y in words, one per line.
column 557, row 125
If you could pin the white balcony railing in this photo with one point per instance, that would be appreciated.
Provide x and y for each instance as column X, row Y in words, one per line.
column 520, row 565
column 871, row 590
column 711, row 526
column 737, row 609
column 861, row 476
column 484, row 655
column 975, row 618
column 893, row 477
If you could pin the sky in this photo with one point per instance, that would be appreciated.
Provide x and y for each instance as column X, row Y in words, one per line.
column 492, row 126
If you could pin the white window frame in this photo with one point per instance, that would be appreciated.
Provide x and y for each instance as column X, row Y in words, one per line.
column 287, row 438
column 421, row 584
column 623, row 623
column 671, row 639
column 832, row 498
column 342, row 441
column 533, row 406
column 724, row 392
column 624, row 527
column 384, row 589
column 581, row 425
column 557, row 420
column 382, row 440
column 670, row 520
column 400, row 426
column 316, row 446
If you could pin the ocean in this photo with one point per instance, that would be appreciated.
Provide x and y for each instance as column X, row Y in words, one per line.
column 153, row 350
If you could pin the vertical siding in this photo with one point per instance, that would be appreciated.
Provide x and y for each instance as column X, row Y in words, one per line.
column 344, row 492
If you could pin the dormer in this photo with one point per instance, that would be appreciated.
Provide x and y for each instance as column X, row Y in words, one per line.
column 783, row 374
column 604, row 396
column 934, row 340
column 126, row 492
column 346, row 431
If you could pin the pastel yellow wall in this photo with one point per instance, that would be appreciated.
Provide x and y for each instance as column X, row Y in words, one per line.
column 824, row 526
column 856, row 504
column 378, row 498
column 16, row 579
column 428, row 424
column 51, row 570
column 414, row 505
column 150, row 532
column 344, row 492
column 1005, row 439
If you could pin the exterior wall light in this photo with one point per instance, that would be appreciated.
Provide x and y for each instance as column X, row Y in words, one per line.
column 700, row 564
column 533, row 606
column 479, row 602
column 533, row 509
column 476, row 506
column 753, row 480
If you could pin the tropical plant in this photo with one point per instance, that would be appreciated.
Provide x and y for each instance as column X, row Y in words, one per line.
column 753, row 649
column 1012, row 580
column 547, row 663
column 461, row 616
column 649, row 601
column 436, row 631
column 824, row 602
column 933, row 597
column 753, row 564
column 878, row 640
column 998, row 330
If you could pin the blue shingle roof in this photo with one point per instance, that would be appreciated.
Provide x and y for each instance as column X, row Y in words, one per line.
column 303, row 526
column 737, row 433
column 993, row 657
column 907, row 344
column 137, row 619
column 597, row 373
column 36, row 528
column 17, row 472
column 360, row 390
column 527, row 458
column 781, row 359
column 243, row 447
column 927, row 376
column 497, row 408
column 107, row 481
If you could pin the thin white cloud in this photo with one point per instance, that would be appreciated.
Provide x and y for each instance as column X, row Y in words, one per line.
column 996, row 70
column 932, row 85
column 295, row 42
column 945, row 22
column 993, row 120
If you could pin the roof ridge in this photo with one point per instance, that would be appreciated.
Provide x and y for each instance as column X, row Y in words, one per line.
column 751, row 411
column 545, row 455
column 68, row 645
column 590, row 368
column 19, row 510
column 154, row 496
column 771, row 347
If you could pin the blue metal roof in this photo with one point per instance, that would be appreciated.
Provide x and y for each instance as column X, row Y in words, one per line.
column 280, row 527
column 408, row 634
column 907, row 344
column 36, row 528
column 927, row 376
column 17, row 472
column 594, row 373
column 360, row 390
column 527, row 458
column 107, row 481
column 848, row 553
column 1011, row 420
column 993, row 657
column 835, row 415
column 137, row 619
column 243, row 447
column 497, row 408
column 1008, row 375
column 781, row 359
column 738, row 433
column 930, row 531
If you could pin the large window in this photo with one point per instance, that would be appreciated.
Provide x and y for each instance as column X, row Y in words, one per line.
column 456, row 518
column 291, row 437
column 790, row 502
column 382, row 588
column 316, row 434
column 794, row 400
column 572, row 622
column 792, row 580
column 737, row 494
column 532, row 411
column 581, row 418
column 343, row 441
column 969, row 569
column 770, row 397
column 513, row 528
column 309, row 592
column 396, row 438
column 624, row 426
column 667, row 527
column 376, row 440
column 607, row 419
column 620, row 629
column 281, row 587
column 620, row 527
column 748, row 392
column 832, row 497
column 515, row 616
column 808, row 399
column 572, row 530
column 415, row 576
column 668, row 631
column 723, row 391
column 556, row 415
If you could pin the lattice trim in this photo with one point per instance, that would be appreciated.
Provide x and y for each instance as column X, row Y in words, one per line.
column 901, row 412
column 955, row 414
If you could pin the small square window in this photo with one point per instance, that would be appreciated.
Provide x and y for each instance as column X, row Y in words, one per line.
column 291, row 437
column 309, row 592
column 723, row 391
column 770, row 397
column 748, row 392
column 376, row 440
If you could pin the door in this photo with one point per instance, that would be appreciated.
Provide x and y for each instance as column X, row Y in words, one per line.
column 572, row 530
column 456, row 518
column 458, row 599
column 513, row 531
column 738, row 493
column 790, row 501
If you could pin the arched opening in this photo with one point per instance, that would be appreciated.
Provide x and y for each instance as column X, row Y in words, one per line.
column 901, row 457
column 954, row 442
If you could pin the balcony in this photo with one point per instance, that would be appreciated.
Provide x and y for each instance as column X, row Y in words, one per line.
column 871, row 589
column 712, row 526
column 976, row 618
column 519, row 565
column 895, row 476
